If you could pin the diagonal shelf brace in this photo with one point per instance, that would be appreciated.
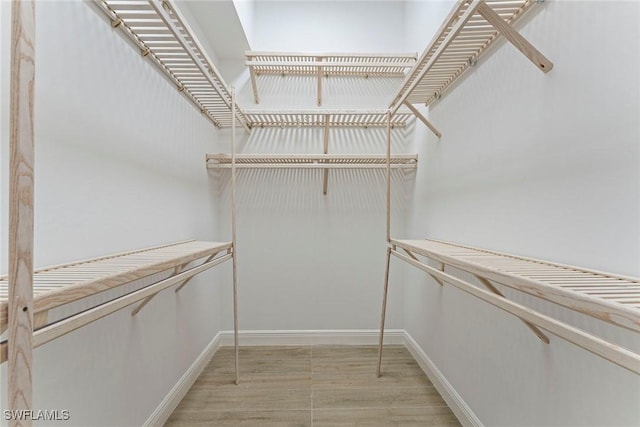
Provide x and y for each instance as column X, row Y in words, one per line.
column 616, row 354
column 183, row 284
column 489, row 286
column 530, row 325
column 70, row 324
column 423, row 119
column 179, row 269
column 515, row 38
column 144, row 302
column 254, row 84
column 413, row 257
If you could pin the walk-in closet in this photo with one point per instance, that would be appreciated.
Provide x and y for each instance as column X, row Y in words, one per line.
column 320, row 213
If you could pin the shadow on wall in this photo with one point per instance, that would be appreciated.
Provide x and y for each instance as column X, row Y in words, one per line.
column 337, row 92
column 300, row 190
column 121, row 123
column 351, row 140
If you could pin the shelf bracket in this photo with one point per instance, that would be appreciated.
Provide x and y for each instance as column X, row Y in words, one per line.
column 515, row 38
column 254, row 84
column 530, row 325
column 182, row 285
column 423, row 119
column 319, row 82
column 488, row 285
column 441, row 265
column 179, row 269
column 145, row 301
column 616, row 354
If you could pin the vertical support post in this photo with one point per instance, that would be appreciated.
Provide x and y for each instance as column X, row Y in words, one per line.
column 325, row 177
column 388, row 176
column 319, row 82
column 20, row 324
column 384, row 312
column 233, row 231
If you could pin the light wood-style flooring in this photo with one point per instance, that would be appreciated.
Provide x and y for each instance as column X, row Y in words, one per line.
column 313, row 386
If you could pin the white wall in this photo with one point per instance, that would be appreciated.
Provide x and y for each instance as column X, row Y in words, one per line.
column 327, row 26
column 543, row 165
column 308, row 261
column 119, row 166
column 245, row 11
column 421, row 21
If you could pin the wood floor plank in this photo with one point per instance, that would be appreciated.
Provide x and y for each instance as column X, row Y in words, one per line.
column 433, row 416
column 348, row 380
column 409, row 397
column 245, row 399
column 240, row 418
column 355, row 366
column 256, row 381
column 352, row 372
column 262, row 361
column 334, row 385
column 335, row 352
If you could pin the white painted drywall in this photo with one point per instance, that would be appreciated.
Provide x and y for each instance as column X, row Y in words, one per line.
column 119, row 166
column 533, row 149
column 327, row 26
column 422, row 20
column 308, row 261
column 245, row 10
column 543, row 165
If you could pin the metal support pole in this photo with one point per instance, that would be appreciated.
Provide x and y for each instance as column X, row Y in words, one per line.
column 384, row 311
column 233, row 232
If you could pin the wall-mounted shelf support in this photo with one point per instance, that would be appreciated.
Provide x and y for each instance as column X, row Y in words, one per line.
column 324, row 65
column 471, row 27
column 423, row 119
column 57, row 286
column 605, row 296
column 311, row 161
column 145, row 301
column 514, row 37
column 323, row 162
column 487, row 284
column 320, row 118
column 164, row 37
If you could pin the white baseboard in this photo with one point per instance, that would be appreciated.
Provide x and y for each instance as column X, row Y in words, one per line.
column 164, row 410
column 459, row 407
column 313, row 337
